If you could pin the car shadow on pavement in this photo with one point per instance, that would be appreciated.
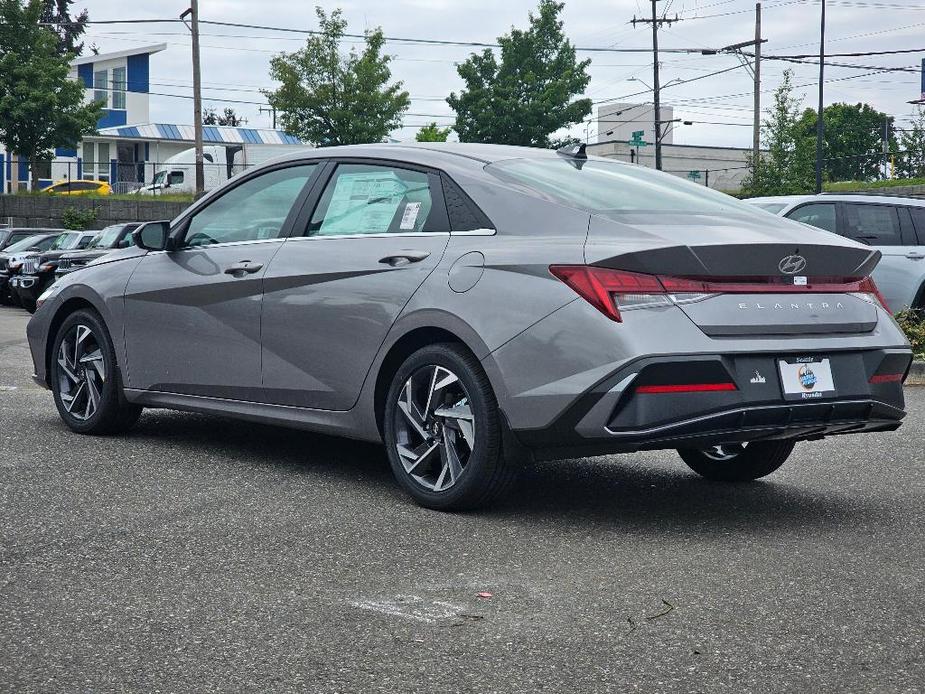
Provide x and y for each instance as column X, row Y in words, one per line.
column 636, row 490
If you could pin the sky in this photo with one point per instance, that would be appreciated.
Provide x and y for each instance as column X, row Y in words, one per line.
column 235, row 62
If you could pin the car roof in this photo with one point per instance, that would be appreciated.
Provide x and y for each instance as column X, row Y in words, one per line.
column 840, row 197
column 425, row 153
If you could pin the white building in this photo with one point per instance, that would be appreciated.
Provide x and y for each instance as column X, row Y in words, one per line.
column 128, row 148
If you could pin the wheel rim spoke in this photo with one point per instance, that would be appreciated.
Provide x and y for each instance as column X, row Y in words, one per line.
column 81, row 373
column 434, row 415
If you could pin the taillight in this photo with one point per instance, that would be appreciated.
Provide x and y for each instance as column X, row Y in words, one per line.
column 609, row 290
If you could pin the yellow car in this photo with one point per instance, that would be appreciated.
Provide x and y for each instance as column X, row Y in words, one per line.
column 79, row 188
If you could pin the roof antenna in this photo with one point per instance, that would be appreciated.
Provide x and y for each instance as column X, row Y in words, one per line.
column 573, row 151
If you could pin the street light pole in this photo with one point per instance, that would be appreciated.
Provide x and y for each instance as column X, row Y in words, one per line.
column 820, row 121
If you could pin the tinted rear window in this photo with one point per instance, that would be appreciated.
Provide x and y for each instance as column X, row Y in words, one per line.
column 603, row 186
column 877, row 225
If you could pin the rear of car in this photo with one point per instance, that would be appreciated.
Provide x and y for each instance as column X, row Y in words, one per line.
column 701, row 322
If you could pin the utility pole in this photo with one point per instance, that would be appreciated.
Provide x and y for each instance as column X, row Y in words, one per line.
column 193, row 26
column 756, row 132
column 656, row 22
column 269, row 109
column 820, row 124
column 886, row 147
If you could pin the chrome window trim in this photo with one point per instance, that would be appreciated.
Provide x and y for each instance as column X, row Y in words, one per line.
column 226, row 244
column 475, row 232
column 382, row 235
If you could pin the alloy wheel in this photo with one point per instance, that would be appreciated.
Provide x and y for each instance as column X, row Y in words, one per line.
column 81, row 372
column 435, row 427
column 724, row 452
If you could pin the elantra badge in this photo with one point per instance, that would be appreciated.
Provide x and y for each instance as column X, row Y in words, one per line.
column 791, row 264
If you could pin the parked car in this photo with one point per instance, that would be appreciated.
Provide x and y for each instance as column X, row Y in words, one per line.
column 38, row 269
column 11, row 235
column 894, row 226
column 11, row 259
column 109, row 239
column 470, row 305
column 80, row 187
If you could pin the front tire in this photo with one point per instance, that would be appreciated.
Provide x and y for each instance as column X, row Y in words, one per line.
column 742, row 462
column 85, row 378
column 443, row 430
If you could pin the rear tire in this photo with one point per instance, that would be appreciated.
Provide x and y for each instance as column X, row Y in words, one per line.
column 85, row 377
column 443, row 431
column 738, row 462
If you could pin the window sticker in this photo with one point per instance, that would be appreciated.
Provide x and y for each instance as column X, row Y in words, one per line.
column 410, row 215
column 363, row 203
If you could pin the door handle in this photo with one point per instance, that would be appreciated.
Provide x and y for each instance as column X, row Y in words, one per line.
column 404, row 258
column 915, row 256
column 245, row 267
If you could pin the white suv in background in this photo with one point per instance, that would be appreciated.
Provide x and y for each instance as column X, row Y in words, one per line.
column 894, row 226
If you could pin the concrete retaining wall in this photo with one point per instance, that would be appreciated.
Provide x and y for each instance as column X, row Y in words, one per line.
column 47, row 211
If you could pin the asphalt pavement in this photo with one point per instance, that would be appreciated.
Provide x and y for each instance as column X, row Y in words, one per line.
column 204, row 554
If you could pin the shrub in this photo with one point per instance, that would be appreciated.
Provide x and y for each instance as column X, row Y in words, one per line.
column 912, row 322
column 78, row 220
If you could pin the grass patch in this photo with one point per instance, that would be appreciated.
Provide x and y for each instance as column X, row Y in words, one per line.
column 842, row 186
column 170, row 197
column 912, row 322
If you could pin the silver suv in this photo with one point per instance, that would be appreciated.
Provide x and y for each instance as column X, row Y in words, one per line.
column 894, row 226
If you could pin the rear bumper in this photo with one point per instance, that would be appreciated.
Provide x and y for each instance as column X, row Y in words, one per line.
column 615, row 416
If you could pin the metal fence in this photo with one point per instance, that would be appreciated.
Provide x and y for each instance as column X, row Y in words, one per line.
column 122, row 176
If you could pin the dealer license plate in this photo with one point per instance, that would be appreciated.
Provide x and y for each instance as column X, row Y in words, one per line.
column 806, row 378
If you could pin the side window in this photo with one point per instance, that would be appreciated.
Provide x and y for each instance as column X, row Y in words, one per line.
column 84, row 241
column 918, row 218
column 373, row 199
column 876, row 225
column 251, row 211
column 175, row 178
column 820, row 215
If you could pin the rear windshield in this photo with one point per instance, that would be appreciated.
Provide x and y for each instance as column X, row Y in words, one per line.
column 603, row 186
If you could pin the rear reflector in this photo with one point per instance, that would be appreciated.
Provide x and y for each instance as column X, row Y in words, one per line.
column 886, row 378
column 687, row 388
column 610, row 290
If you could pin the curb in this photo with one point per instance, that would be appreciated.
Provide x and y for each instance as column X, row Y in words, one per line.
column 916, row 374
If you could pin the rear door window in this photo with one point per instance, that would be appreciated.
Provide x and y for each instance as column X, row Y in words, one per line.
column 817, row 214
column 875, row 225
column 364, row 199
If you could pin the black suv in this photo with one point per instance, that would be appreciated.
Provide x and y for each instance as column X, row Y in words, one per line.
column 109, row 239
column 11, row 258
column 38, row 269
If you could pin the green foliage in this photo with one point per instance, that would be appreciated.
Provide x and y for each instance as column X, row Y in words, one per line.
column 69, row 29
column 40, row 107
column 911, row 162
column 853, row 140
column 784, row 168
column 227, row 117
column 328, row 98
column 73, row 218
column 530, row 93
column 432, row 133
column 913, row 324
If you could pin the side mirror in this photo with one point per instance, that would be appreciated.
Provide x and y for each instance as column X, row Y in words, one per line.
column 153, row 236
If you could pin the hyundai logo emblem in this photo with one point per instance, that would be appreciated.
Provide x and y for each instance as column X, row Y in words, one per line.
column 791, row 264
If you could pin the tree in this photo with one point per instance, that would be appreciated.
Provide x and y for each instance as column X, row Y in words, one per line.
column 328, row 98
column 432, row 133
column 783, row 168
column 40, row 107
column 530, row 93
column 228, row 117
column 911, row 162
column 68, row 29
column 853, row 142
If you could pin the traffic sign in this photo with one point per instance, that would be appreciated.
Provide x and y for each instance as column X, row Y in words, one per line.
column 638, row 140
column 693, row 175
